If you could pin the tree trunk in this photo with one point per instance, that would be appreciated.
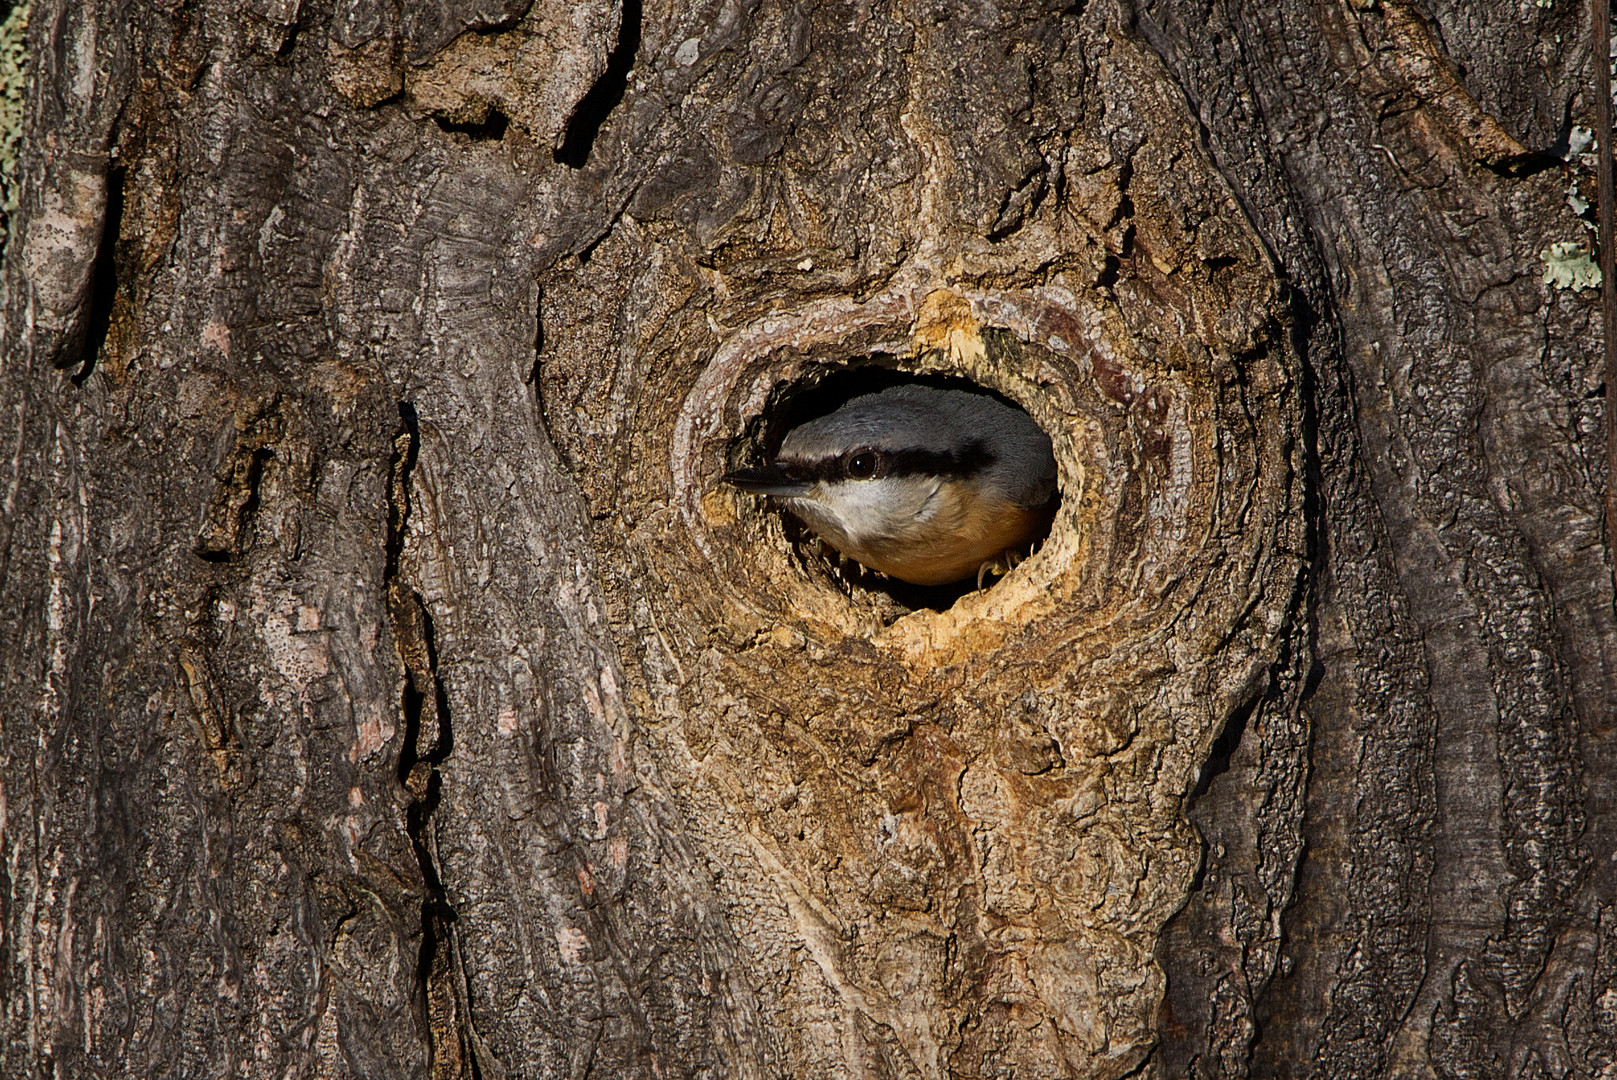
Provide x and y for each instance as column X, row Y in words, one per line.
column 390, row 689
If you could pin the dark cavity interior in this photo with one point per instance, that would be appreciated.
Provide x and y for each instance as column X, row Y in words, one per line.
column 822, row 391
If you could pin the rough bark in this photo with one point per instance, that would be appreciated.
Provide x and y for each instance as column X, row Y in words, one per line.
column 390, row 690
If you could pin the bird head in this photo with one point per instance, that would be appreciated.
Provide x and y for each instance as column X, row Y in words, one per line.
column 918, row 482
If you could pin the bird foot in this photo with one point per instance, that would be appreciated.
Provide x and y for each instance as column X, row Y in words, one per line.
column 1007, row 561
column 989, row 566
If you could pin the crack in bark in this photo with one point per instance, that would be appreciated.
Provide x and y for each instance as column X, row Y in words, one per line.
column 103, row 282
column 428, row 740
column 490, row 129
column 607, row 93
column 226, row 532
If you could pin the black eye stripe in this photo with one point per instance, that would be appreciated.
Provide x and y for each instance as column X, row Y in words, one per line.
column 969, row 461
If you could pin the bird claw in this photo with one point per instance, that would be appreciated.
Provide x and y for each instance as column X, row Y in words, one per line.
column 1008, row 560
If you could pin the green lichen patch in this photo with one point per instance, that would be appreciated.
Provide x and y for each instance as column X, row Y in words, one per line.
column 1567, row 265
column 13, row 96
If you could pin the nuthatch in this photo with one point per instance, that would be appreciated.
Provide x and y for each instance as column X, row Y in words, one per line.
column 927, row 485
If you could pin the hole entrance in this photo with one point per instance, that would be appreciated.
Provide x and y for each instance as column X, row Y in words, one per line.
column 820, row 392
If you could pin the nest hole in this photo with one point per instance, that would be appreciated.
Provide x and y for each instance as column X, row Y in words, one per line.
column 818, row 392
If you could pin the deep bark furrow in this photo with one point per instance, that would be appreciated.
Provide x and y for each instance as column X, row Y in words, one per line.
column 1429, row 419
column 594, row 107
column 427, row 741
column 1376, row 877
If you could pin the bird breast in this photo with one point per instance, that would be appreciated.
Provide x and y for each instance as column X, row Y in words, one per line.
column 925, row 531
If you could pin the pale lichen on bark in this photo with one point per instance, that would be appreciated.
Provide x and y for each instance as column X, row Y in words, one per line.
column 13, row 99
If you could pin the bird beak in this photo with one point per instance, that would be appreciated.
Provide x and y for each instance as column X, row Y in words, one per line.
column 769, row 480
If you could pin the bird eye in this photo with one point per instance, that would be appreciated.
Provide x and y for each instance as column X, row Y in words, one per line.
column 862, row 466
